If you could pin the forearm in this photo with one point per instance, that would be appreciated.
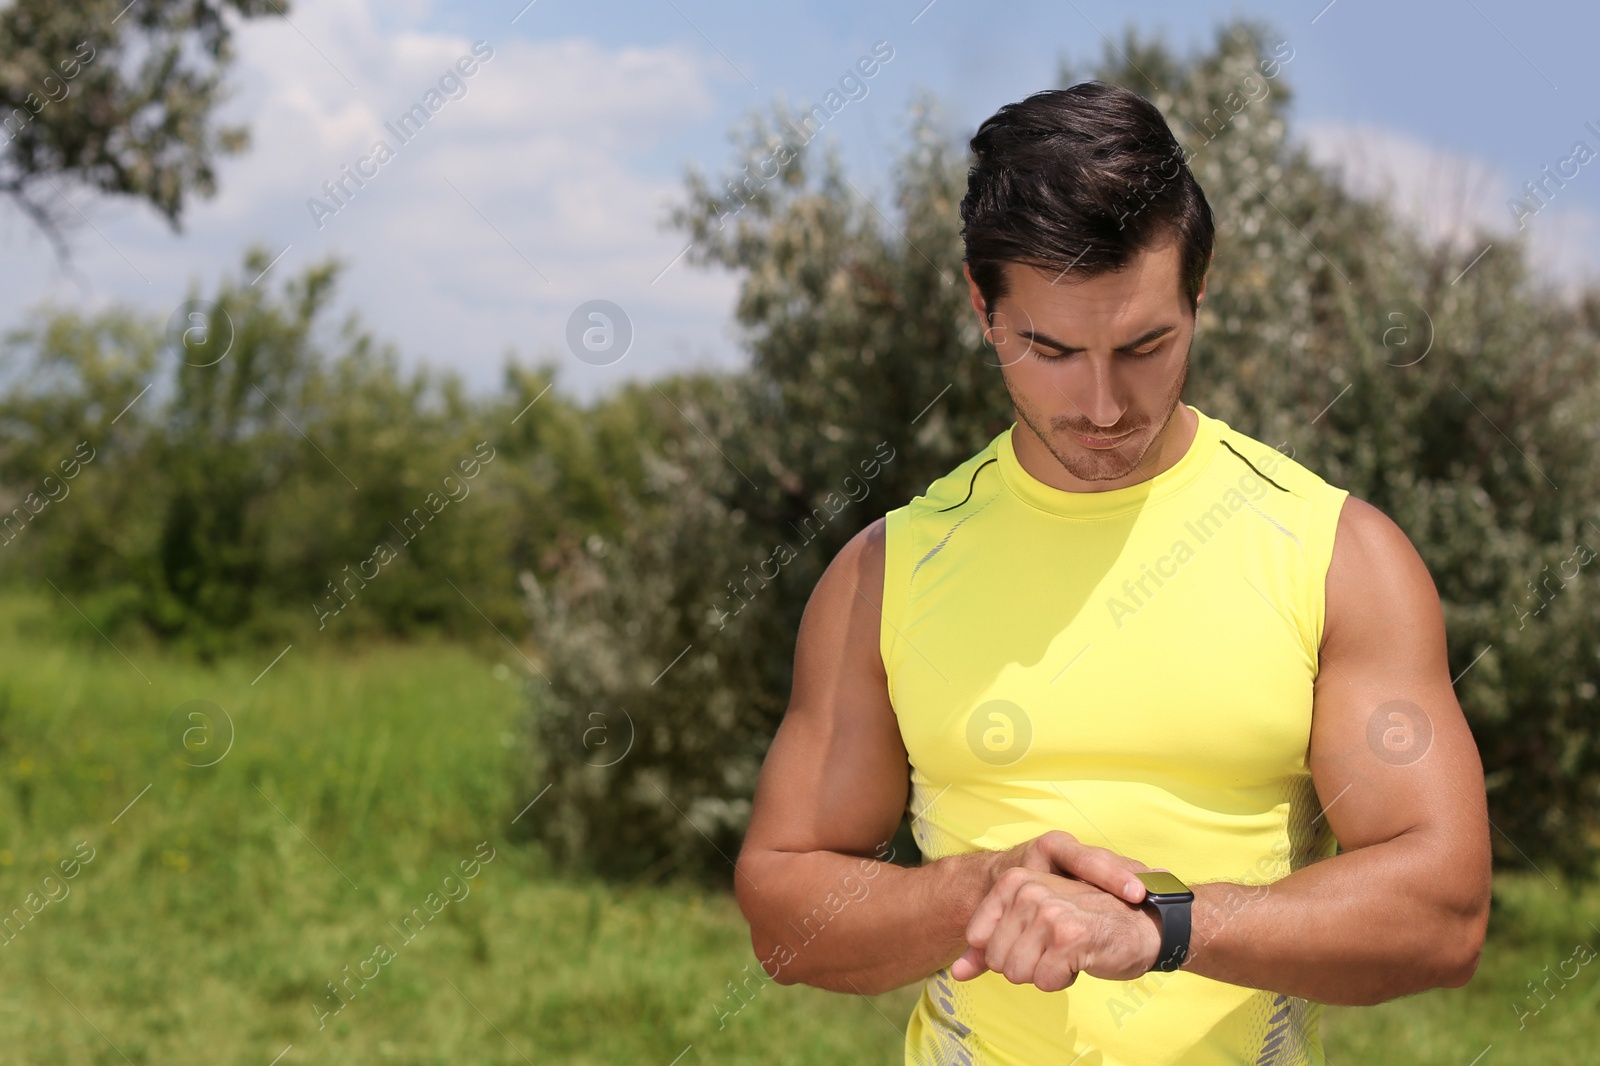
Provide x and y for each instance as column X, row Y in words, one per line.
column 1359, row 928
column 850, row 924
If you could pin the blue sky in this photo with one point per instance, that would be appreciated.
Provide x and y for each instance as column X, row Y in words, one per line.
column 543, row 185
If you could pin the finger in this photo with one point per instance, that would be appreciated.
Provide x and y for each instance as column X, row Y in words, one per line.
column 1066, row 954
column 1057, row 969
column 969, row 965
column 1023, row 952
column 1006, row 951
column 1040, row 854
column 980, row 927
column 1106, row 870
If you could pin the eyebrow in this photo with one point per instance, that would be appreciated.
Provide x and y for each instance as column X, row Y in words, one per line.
column 1138, row 342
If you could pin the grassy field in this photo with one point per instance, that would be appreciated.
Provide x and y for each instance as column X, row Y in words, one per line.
column 211, row 906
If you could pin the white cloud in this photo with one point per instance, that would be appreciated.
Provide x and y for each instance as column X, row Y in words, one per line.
column 547, row 143
column 1446, row 194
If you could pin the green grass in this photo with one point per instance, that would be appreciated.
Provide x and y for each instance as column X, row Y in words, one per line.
column 1534, row 929
column 219, row 905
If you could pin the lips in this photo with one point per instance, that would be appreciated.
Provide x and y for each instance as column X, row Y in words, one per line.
column 1100, row 442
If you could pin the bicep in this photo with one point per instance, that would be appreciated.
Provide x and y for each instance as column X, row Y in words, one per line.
column 1391, row 753
column 836, row 776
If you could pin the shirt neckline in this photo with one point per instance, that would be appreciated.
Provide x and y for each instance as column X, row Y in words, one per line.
column 1111, row 502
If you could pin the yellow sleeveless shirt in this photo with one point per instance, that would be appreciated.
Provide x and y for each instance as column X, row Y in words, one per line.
column 1135, row 667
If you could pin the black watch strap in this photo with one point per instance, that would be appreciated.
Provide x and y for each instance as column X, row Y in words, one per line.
column 1174, row 934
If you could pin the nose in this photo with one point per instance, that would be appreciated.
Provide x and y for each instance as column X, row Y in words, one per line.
column 1101, row 398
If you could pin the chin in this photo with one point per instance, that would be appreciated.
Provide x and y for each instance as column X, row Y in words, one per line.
column 1100, row 464
column 1097, row 467
column 1100, row 472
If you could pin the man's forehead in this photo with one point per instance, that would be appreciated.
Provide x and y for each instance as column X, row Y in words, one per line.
column 1147, row 285
column 1156, row 263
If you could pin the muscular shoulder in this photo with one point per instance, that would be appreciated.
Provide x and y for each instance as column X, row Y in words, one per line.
column 860, row 564
column 840, row 629
column 1377, row 583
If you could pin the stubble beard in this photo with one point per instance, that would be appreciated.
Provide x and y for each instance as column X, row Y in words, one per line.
column 1081, row 462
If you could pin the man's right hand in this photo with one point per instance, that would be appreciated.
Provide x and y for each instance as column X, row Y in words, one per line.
column 1059, row 852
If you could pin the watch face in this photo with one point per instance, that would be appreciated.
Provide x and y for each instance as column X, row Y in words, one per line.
column 1158, row 883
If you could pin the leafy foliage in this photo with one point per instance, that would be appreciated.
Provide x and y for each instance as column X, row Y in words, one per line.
column 115, row 97
column 245, row 470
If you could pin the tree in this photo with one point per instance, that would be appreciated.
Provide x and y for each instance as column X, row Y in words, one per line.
column 244, row 476
column 115, row 97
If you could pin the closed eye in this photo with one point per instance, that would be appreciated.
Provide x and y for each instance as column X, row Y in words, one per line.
column 1144, row 353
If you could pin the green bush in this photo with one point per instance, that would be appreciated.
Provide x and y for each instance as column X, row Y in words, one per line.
column 255, row 475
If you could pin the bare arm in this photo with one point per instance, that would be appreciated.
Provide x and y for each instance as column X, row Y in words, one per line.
column 1403, row 908
column 822, row 910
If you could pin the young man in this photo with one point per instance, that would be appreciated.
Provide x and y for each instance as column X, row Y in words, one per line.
column 1123, row 636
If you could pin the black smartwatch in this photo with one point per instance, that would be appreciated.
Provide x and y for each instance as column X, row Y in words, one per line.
column 1171, row 898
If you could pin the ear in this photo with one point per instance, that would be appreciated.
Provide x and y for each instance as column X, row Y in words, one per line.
column 979, row 307
column 973, row 292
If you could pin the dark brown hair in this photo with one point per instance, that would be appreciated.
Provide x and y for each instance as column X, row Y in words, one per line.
column 1080, row 179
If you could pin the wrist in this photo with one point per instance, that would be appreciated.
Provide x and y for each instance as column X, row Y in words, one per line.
column 1148, row 924
column 956, row 884
column 1172, row 902
column 994, row 864
column 983, row 869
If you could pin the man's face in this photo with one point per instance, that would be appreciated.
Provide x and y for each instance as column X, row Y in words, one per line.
column 1104, row 356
